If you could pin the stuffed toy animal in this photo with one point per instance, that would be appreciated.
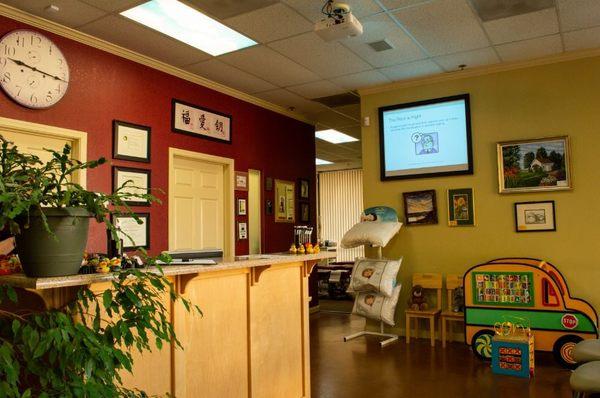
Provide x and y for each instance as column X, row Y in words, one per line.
column 458, row 300
column 417, row 300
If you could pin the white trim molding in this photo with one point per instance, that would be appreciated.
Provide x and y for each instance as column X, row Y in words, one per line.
column 92, row 41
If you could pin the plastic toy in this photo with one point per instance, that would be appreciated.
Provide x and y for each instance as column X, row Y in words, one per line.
column 530, row 289
column 417, row 300
column 293, row 249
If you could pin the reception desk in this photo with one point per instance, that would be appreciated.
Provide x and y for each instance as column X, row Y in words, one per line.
column 251, row 341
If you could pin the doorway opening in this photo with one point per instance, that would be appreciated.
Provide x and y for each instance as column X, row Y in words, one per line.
column 254, row 212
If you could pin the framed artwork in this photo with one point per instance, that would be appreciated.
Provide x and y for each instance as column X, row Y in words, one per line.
column 534, row 165
column 200, row 122
column 535, row 216
column 241, row 207
column 269, row 207
column 241, row 181
column 420, row 207
column 269, row 184
column 138, row 182
column 134, row 235
column 304, row 188
column 461, row 208
column 242, row 230
column 131, row 141
column 285, row 201
column 304, row 212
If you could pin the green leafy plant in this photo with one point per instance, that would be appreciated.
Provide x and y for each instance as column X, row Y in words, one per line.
column 81, row 349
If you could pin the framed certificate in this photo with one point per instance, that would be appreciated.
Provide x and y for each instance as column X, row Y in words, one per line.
column 138, row 182
column 134, row 235
column 131, row 141
column 285, row 198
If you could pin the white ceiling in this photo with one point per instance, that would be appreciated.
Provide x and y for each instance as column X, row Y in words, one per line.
column 292, row 65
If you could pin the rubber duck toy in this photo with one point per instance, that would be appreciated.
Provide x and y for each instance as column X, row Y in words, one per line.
column 317, row 248
column 115, row 264
column 309, row 248
column 301, row 249
column 103, row 267
column 293, row 249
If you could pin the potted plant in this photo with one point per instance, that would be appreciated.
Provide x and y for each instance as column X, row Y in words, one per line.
column 48, row 213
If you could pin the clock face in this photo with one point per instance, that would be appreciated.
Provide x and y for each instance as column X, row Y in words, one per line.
column 33, row 71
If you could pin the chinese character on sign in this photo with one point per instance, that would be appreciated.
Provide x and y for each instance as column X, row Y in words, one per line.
column 219, row 127
column 185, row 116
column 202, row 121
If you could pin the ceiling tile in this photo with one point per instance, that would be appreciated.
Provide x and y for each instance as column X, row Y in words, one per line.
column 394, row 4
column 522, row 27
column 578, row 14
column 361, row 80
column 270, row 23
column 223, row 9
column 529, row 49
column 230, row 76
column 327, row 59
column 444, row 27
column 311, row 9
column 381, row 27
column 71, row 12
column 288, row 99
column 269, row 65
column 483, row 56
column 318, row 89
column 411, row 70
column 113, row 5
column 582, row 39
column 121, row 31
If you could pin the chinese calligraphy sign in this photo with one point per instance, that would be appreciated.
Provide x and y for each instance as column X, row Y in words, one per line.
column 191, row 119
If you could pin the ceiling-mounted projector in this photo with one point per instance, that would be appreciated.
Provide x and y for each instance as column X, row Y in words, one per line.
column 339, row 23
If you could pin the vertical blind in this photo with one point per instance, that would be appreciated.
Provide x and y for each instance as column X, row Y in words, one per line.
column 340, row 205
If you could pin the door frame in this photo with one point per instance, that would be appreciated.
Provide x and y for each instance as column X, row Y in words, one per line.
column 79, row 139
column 228, row 194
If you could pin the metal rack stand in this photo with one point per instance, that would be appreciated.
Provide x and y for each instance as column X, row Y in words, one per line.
column 391, row 337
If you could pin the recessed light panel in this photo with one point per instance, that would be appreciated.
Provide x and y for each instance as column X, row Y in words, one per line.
column 321, row 162
column 334, row 136
column 189, row 26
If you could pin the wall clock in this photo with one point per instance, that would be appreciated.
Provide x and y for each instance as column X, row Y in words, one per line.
column 33, row 71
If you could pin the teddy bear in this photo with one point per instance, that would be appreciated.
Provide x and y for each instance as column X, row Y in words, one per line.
column 417, row 301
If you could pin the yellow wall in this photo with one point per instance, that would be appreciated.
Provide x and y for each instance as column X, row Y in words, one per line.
column 542, row 101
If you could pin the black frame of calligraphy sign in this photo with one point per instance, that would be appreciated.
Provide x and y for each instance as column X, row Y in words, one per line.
column 175, row 102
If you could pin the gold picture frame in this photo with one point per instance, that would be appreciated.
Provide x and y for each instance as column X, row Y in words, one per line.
column 285, row 201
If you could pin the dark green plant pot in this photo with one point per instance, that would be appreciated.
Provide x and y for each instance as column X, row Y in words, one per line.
column 43, row 255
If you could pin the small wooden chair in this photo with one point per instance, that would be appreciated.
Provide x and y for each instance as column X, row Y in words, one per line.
column 452, row 283
column 432, row 282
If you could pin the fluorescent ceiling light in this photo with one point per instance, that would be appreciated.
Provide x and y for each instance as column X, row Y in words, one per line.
column 334, row 136
column 188, row 25
column 321, row 162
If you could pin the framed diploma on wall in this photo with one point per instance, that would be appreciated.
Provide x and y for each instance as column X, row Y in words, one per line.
column 131, row 141
column 285, row 201
column 138, row 182
column 133, row 233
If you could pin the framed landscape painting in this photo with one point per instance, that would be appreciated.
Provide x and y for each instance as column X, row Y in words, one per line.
column 535, row 216
column 534, row 165
column 420, row 208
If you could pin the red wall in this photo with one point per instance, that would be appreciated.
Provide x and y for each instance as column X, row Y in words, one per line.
column 105, row 87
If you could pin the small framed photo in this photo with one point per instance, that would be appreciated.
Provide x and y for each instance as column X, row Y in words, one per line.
column 241, row 181
column 131, row 141
column 461, row 207
column 304, row 188
column 138, row 182
column 133, row 233
column 420, row 208
column 535, row 216
column 304, row 212
column 269, row 207
column 269, row 184
column 241, row 207
column 534, row 165
column 242, row 230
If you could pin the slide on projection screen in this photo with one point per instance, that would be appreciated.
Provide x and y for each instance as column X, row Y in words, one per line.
column 426, row 138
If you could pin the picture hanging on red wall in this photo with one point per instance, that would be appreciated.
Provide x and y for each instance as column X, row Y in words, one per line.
column 200, row 122
column 131, row 141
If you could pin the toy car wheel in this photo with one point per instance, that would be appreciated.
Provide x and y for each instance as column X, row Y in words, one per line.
column 481, row 344
column 563, row 350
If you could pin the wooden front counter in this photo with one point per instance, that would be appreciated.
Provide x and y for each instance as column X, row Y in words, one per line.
column 252, row 340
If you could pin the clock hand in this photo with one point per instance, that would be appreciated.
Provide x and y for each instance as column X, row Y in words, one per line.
column 33, row 68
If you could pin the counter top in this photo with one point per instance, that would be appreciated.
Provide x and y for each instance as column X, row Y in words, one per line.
column 257, row 260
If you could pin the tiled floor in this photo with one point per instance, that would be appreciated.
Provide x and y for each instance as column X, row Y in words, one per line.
column 361, row 369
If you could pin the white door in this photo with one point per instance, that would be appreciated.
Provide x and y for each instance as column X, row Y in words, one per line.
column 35, row 144
column 197, row 216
